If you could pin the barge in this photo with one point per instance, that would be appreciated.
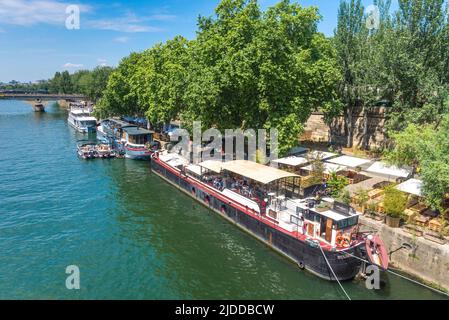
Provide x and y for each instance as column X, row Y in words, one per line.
column 322, row 238
column 127, row 139
column 81, row 119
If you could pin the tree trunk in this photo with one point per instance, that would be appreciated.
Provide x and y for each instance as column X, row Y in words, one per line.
column 365, row 136
column 349, row 127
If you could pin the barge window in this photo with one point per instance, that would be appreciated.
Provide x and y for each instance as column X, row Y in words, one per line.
column 346, row 223
column 296, row 220
column 312, row 216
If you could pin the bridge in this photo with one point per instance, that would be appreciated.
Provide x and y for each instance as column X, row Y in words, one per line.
column 41, row 96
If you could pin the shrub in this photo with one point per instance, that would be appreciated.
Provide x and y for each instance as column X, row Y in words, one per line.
column 395, row 202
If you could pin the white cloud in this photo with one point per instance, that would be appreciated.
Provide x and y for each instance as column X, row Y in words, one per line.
column 129, row 23
column 122, row 25
column 32, row 12
column 121, row 39
column 102, row 62
column 70, row 65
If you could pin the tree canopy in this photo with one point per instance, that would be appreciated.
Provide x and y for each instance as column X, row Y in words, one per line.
column 245, row 69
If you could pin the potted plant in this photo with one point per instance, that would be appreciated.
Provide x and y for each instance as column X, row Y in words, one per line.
column 336, row 184
column 395, row 203
column 361, row 200
column 370, row 210
column 344, row 197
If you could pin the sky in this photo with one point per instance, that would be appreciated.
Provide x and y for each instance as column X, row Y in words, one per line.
column 35, row 42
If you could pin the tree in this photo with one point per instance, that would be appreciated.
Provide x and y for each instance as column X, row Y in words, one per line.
column 395, row 202
column 337, row 184
column 55, row 83
column 118, row 97
column 65, row 84
column 253, row 69
column 427, row 148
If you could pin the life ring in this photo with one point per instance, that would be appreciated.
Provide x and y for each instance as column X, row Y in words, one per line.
column 339, row 239
column 346, row 240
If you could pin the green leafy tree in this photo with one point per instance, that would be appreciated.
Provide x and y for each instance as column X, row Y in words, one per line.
column 395, row 202
column 254, row 69
column 426, row 148
column 337, row 184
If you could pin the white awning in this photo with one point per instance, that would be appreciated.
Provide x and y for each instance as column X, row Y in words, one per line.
column 383, row 168
column 297, row 150
column 412, row 186
column 212, row 165
column 292, row 161
column 256, row 171
column 349, row 161
column 328, row 167
column 321, row 154
column 194, row 169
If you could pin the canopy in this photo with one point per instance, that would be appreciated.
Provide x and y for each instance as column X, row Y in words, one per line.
column 194, row 168
column 292, row 161
column 256, row 172
column 383, row 168
column 328, row 167
column 297, row 150
column 321, row 154
column 212, row 165
column 135, row 131
column 349, row 161
column 412, row 186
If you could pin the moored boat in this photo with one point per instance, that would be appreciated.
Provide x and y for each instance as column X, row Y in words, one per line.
column 81, row 119
column 321, row 237
column 86, row 150
column 95, row 149
column 127, row 139
column 38, row 106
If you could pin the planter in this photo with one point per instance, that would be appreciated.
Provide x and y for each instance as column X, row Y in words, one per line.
column 413, row 230
column 379, row 216
column 393, row 222
column 434, row 237
column 321, row 209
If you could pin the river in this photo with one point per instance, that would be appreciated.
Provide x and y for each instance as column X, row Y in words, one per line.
column 132, row 235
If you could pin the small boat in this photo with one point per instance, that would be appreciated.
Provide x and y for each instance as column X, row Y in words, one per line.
column 376, row 251
column 38, row 106
column 95, row 149
column 104, row 150
column 87, row 150
column 81, row 119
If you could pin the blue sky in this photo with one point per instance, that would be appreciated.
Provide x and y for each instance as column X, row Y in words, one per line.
column 34, row 42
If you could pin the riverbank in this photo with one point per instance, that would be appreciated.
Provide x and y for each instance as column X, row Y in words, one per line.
column 426, row 260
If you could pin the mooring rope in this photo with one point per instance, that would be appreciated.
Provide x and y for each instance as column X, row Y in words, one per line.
column 335, row 276
column 400, row 275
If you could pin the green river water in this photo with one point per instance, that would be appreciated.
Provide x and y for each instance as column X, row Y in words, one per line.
column 131, row 235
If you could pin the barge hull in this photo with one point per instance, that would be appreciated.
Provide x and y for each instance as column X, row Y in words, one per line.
column 298, row 251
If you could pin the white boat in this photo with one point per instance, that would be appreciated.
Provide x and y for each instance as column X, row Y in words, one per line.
column 82, row 120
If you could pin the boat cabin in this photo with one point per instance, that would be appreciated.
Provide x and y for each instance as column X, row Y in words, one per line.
column 137, row 136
